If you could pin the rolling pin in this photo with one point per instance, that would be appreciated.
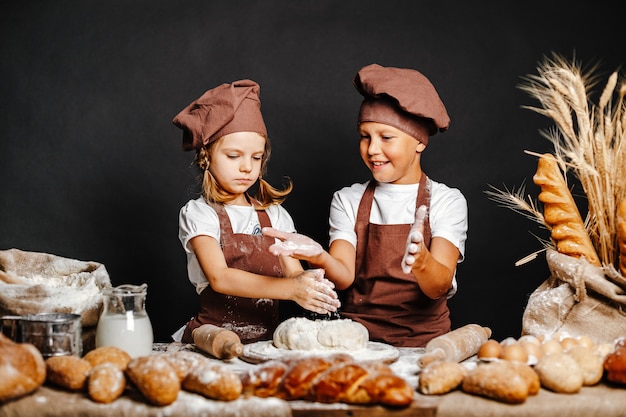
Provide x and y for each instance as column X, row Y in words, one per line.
column 216, row 341
column 457, row 345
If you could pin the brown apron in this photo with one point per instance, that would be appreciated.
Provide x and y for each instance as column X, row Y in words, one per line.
column 253, row 319
column 383, row 298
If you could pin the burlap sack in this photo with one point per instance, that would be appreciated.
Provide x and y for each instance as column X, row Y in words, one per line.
column 577, row 299
column 34, row 282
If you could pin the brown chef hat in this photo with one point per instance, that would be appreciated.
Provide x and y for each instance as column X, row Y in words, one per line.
column 225, row 109
column 402, row 98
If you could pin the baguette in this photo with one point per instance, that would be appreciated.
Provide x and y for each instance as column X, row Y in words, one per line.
column 561, row 214
column 332, row 379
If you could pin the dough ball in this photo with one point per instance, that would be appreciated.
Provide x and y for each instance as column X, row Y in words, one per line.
column 300, row 333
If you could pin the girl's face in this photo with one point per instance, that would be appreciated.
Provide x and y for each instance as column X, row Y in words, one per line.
column 236, row 162
column 391, row 155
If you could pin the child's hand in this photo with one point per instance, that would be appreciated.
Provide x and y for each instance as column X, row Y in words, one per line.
column 315, row 293
column 293, row 244
column 415, row 240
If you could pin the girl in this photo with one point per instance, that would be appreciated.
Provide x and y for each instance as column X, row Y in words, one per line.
column 396, row 287
column 228, row 262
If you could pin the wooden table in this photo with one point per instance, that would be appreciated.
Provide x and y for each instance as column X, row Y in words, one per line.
column 602, row 400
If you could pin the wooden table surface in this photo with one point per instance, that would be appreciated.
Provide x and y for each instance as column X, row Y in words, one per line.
column 603, row 400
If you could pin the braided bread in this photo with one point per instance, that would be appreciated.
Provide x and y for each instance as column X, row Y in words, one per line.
column 561, row 213
column 330, row 379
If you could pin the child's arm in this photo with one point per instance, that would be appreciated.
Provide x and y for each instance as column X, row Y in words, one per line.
column 307, row 288
column 434, row 269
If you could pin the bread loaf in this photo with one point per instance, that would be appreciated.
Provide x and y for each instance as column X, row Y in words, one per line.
column 561, row 213
column 559, row 372
column 498, row 381
column 330, row 379
column 69, row 372
column 22, row 369
column 155, row 378
column 183, row 361
column 106, row 382
column 214, row 381
column 441, row 377
column 615, row 363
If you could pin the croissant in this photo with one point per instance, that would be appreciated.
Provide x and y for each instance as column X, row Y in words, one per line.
column 333, row 379
column 621, row 235
column 561, row 212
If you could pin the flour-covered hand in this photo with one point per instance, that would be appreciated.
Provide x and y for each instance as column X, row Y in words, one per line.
column 292, row 244
column 414, row 240
column 315, row 293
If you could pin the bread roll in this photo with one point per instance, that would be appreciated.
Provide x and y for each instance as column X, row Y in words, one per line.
column 615, row 363
column 498, row 381
column 106, row 382
column 559, row 372
column 22, row 369
column 183, row 361
column 561, row 213
column 214, row 381
column 108, row 354
column 590, row 364
column 155, row 378
column 441, row 377
column 69, row 372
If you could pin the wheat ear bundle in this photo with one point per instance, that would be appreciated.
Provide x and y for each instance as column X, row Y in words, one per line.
column 589, row 142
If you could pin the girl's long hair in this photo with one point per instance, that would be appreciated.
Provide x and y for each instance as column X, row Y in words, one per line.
column 266, row 194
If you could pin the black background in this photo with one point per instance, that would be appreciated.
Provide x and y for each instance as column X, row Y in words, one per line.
column 91, row 165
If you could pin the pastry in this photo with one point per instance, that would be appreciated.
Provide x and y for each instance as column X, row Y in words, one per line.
column 561, row 213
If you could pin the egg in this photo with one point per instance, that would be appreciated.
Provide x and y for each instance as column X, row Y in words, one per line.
column 551, row 346
column 568, row 343
column 514, row 352
column 526, row 339
column 489, row 350
column 533, row 351
column 586, row 341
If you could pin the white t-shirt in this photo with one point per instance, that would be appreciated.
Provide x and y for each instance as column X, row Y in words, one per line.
column 395, row 204
column 198, row 218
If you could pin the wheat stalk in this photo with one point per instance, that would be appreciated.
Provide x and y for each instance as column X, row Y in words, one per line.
column 589, row 141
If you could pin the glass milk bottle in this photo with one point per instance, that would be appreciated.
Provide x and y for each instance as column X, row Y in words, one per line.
column 124, row 322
